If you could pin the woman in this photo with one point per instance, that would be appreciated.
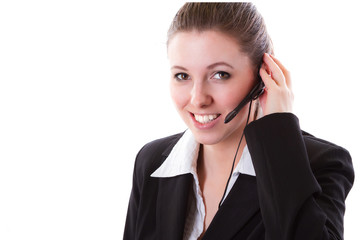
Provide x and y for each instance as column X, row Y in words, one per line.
column 283, row 184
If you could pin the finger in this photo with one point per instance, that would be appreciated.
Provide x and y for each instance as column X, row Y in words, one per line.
column 284, row 70
column 275, row 70
column 267, row 79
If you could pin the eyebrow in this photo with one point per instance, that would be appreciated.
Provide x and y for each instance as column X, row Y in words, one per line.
column 179, row 67
column 219, row 63
column 211, row 66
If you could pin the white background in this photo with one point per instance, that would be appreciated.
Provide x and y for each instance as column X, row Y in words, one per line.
column 84, row 84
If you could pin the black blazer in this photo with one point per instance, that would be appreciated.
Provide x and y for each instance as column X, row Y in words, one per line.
column 298, row 193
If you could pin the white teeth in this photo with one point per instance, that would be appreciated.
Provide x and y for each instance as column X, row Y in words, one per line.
column 205, row 118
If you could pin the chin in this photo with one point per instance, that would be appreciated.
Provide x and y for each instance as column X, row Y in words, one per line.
column 210, row 138
column 216, row 136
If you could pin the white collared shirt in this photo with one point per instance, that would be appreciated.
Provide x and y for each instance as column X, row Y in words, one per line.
column 183, row 160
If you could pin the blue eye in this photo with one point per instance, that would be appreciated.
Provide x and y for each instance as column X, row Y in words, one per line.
column 221, row 75
column 182, row 76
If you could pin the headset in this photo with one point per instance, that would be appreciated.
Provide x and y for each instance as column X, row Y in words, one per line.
column 255, row 92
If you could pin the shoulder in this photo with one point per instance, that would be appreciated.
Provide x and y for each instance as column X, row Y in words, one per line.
column 154, row 153
column 317, row 148
column 328, row 158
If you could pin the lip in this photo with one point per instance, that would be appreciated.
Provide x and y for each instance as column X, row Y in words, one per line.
column 204, row 126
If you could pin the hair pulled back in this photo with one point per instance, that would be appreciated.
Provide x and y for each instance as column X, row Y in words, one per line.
column 242, row 21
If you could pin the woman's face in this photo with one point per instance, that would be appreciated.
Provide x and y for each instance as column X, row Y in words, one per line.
column 209, row 78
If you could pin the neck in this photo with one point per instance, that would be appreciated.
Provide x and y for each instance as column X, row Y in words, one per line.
column 218, row 158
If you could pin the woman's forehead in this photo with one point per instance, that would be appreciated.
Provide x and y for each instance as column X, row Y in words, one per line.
column 205, row 48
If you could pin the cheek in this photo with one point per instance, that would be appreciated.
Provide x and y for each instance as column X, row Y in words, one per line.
column 178, row 95
column 231, row 96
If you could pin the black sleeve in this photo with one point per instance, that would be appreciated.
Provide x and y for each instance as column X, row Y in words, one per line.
column 302, row 187
column 131, row 219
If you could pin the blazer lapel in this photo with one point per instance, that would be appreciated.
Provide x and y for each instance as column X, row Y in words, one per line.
column 239, row 207
column 171, row 206
column 172, row 201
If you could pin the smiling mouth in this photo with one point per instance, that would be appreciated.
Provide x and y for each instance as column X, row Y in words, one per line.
column 203, row 119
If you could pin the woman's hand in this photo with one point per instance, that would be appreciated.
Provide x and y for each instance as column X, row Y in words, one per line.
column 278, row 96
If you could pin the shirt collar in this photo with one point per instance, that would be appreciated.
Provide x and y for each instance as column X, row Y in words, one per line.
column 183, row 159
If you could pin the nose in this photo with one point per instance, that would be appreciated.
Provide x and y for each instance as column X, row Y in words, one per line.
column 200, row 96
